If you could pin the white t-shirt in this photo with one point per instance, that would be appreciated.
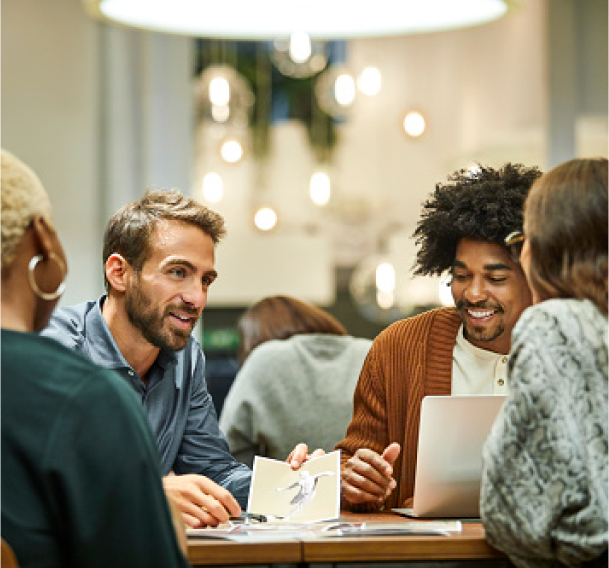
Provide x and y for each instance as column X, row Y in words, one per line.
column 477, row 371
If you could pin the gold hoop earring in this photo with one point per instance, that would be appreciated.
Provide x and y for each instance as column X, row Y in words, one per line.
column 62, row 286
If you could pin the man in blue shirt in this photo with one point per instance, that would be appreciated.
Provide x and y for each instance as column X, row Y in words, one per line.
column 159, row 255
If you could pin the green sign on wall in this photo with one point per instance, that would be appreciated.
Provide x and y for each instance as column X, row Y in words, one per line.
column 220, row 339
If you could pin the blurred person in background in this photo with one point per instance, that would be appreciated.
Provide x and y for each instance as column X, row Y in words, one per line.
column 544, row 485
column 81, row 482
column 299, row 367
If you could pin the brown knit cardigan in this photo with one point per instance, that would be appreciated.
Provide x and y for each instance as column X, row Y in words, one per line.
column 410, row 359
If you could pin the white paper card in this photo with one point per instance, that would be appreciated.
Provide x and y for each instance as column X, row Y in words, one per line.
column 309, row 494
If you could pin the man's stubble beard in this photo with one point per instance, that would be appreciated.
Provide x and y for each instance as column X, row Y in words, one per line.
column 473, row 333
column 150, row 323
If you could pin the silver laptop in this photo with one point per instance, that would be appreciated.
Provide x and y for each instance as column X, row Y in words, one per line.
column 452, row 433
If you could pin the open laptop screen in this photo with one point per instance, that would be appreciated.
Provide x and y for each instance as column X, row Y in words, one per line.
column 452, row 433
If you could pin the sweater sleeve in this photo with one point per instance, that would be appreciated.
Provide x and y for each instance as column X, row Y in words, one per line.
column 368, row 427
column 544, row 486
column 104, row 478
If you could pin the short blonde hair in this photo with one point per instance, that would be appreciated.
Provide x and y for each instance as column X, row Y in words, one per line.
column 23, row 197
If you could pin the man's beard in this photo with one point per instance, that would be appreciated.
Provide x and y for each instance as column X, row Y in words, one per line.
column 480, row 333
column 143, row 316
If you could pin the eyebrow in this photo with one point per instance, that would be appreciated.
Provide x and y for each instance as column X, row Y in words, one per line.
column 488, row 267
column 190, row 265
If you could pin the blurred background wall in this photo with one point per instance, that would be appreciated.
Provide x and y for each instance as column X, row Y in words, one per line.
column 103, row 112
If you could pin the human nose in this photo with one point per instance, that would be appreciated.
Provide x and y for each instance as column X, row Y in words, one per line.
column 195, row 294
column 475, row 291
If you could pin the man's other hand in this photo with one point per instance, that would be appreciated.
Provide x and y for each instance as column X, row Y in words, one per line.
column 201, row 501
column 367, row 476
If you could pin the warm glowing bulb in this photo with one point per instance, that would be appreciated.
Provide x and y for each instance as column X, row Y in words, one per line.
column 344, row 90
column 265, row 218
column 220, row 113
column 414, row 124
column 231, row 151
column 369, row 81
column 213, row 187
column 385, row 300
column 319, row 188
column 385, row 277
column 300, row 47
column 219, row 91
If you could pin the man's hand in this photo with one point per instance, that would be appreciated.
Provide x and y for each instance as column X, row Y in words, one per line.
column 300, row 455
column 367, row 477
column 201, row 501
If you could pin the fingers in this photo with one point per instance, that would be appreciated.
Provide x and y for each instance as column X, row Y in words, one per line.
column 298, row 456
column 367, row 476
column 222, row 495
column 201, row 501
column 391, row 452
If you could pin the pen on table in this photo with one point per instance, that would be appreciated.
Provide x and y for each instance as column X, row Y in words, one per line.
column 247, row 517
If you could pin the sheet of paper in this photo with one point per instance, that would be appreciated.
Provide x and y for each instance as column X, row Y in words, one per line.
column 279, row 531
column 442, row 528
column 309, row 494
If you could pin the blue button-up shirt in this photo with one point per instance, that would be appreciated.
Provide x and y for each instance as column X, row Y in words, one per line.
column 179, row 407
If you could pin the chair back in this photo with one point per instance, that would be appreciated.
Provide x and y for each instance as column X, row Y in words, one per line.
column 8, row 558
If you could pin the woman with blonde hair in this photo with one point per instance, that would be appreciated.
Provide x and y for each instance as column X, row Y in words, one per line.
column 299, row 368
column 81, row 482
column 545, row 482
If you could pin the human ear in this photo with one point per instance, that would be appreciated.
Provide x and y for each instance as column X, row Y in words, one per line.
column 116, row 272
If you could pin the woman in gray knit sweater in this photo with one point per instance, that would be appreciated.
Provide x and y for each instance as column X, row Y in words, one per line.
column 545, row 482
column 299, row 368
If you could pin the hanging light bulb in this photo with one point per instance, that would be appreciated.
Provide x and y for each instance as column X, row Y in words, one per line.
column 319, row 188
column 265, row 218
column 414, row 124
column 219, row 91
column 299, row 58
column 335, row 90
column 224, row 95
column 231, row 151
column 213, row 187
column 369, row 81
column 385, row 277
column 300, row 47
column 344, row 89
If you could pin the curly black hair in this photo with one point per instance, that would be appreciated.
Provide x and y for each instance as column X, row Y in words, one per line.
column 483, row 204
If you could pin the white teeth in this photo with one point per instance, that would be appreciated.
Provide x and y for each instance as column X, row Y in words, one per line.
column 183, row 318
column 480, row 314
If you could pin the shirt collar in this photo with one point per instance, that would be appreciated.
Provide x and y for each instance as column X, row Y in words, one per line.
column 473, row 350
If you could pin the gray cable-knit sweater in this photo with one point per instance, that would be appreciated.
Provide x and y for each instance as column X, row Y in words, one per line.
column 544, row 486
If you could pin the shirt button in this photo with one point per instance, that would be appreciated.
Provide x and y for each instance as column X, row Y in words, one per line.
column 500, row 382
column 504, row 359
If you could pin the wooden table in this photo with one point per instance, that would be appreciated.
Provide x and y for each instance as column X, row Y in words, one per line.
column 470, row 544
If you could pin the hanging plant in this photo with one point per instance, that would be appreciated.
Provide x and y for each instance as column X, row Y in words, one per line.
column 276, row 96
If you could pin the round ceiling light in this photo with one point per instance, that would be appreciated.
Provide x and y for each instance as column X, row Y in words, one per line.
column 270, row 19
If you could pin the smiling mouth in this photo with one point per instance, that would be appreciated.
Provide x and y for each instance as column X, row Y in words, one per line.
column 479, row 314
column 183, row 320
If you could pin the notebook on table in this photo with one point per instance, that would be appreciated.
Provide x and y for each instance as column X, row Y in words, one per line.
column 452, row 433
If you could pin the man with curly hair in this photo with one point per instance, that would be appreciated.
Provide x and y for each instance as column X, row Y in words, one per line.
column 458, row 350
